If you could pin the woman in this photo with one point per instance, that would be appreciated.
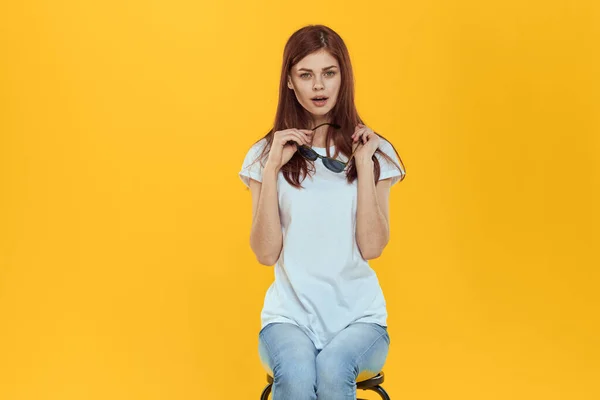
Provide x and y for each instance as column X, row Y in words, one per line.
column 324, row 317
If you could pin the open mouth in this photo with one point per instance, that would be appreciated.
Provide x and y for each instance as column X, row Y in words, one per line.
column 319, row 101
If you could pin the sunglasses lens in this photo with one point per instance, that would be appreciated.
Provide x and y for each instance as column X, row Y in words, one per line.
column 307, row 152
column 334, row 165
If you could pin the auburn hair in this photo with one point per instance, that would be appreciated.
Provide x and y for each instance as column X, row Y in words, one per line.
column 291, row 114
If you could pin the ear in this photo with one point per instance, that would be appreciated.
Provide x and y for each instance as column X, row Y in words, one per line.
column 289, row 83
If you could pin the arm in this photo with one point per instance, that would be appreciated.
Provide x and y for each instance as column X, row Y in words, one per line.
column 266, row 238
column 372, row 214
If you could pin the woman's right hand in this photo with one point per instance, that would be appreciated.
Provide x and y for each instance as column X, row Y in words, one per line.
column 285, row 144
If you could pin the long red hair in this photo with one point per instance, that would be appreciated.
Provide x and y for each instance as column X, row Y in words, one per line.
column 291, row 114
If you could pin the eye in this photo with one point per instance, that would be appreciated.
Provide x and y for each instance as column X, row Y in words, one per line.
column 302, row 75
column 332, row 73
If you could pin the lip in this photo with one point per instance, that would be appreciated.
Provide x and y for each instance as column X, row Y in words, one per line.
column 322, row 103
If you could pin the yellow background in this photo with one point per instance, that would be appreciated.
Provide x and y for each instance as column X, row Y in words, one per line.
column 125, row 266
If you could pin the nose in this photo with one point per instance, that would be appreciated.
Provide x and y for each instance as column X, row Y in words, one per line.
column 318, row 85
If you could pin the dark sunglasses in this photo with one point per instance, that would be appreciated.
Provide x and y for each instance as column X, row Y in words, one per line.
column 330, row 163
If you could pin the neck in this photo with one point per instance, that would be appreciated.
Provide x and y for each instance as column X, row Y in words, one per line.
column 320, row 120
column 318, row 139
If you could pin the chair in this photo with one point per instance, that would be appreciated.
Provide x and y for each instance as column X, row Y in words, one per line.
column 373, row 384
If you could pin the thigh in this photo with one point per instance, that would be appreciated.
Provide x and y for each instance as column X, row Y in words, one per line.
column 283, row 346
column 361, row 347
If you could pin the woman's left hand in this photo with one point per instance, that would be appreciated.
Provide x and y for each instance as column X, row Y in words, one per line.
column 368, row 140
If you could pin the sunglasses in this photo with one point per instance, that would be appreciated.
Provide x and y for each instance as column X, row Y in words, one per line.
column 330, row 163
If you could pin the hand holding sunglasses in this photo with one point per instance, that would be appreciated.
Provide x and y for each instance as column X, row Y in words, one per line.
column 284, row 146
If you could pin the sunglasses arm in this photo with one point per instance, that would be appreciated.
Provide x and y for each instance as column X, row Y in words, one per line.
column 352, row 155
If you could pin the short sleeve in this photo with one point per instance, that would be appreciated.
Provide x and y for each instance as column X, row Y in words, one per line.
column 387, row 169
column 252, row 167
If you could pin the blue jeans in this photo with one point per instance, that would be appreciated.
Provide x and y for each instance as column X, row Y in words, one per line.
column 301, row 372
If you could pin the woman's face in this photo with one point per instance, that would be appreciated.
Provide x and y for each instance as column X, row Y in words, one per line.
column 316, row 75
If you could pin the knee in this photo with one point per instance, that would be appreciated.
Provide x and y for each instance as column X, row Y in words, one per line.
column 335, row 375
column 294, row 379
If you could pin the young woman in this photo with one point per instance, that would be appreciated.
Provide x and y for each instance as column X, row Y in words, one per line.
column 319, row 212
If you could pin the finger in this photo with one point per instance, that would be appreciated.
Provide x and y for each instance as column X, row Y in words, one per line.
column 357, row 133
column 361, row 135
column 296, row 137
column 305, row 133
column 302, row 137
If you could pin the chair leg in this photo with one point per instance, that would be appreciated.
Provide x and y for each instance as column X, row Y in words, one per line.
column 266, row 392
column 381, row 391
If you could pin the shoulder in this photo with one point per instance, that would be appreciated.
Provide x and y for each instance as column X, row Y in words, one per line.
column 258, row 147
column 385, row 144
column 253, row 153
column 386, row 147
column 253, row 163
column 392, row 167
column 260, row 144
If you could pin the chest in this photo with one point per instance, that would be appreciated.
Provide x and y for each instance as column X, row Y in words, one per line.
column 325, row 199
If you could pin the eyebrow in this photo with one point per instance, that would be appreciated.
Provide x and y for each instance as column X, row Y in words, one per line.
column 310, row 70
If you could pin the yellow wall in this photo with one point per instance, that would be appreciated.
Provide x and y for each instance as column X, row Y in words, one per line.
column 125, row 267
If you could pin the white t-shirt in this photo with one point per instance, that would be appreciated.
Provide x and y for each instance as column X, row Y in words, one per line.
column 322, row 284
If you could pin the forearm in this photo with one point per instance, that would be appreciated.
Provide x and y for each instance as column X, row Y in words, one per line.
column 266, row 237
column 372, row 228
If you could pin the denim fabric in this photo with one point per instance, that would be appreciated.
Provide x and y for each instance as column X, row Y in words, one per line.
column 302, row 372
